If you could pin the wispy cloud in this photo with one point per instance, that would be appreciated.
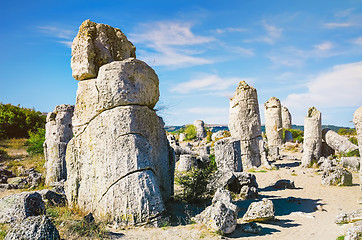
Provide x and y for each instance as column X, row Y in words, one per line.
column 325, row 46
column 357, row 41
column 66, row 35
column 210, row 83
column 227, row 30
column 171, row 43
column 338, row 24
column 273, row 33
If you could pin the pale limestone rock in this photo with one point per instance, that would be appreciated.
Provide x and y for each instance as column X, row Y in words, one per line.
column 312, row 145
column 58, row 132
column 357, row 120
column 217, row 135
column 182, row 137
column 186, row 163
column 337, row 142
column 227, row 155
column 273, row 122
column 352, row 163
column 352, row 217
column 260, row 211
column 336, row 176
column 97, row 44
column 286, row 118
column 354, row 232
column 34, row 227
column 244, row 124
column 200, row 129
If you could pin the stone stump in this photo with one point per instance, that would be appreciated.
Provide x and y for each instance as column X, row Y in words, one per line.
column 286, row 118
column 312, row 145
column 200, row 129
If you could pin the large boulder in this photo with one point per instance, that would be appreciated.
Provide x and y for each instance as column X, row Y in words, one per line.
column 227, row 155
column 337, row 142
column 19, row 206
column 260, row 211
column 97, row 44
column 312, row 145
column 35, row 228
column 336, row 176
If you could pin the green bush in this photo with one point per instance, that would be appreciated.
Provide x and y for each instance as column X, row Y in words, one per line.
column 353, row 140
column 345, row 131
column 354, row 153
column 298, row 135
column 190, row 131
column 35, row 142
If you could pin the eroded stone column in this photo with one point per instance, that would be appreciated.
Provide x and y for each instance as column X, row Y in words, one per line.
column 273, row 125
column 337, row 142
column 286, row 118
column 312, row 145
column 200, row 129
column 357, row 120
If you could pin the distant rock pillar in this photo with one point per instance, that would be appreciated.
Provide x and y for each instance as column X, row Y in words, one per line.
column 200, row 129
column 273, row 125
column 58, row 132
column 286, row 118
column 244, row 124
column 312, row 145
column 357, row 120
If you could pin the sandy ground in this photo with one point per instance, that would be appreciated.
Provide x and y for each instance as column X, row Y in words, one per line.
column 299, row 218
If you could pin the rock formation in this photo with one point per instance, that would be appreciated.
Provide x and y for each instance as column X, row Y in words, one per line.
column 337, row 142
column 286, row 118
column 357, row 120
column 200, row 129
column 273, row 125
column 119, row 162
column 227, row 155
column 260, row 211
column 58, row 132
column 244, row 124
column 336, row 176
column 312, row 137
column 186, row 163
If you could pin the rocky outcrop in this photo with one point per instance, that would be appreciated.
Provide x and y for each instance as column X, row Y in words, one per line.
column 260, row 211
column 357, row 120
column 19, row 206
column 200, row 129
column 96, row 45
column 221, row 216
column 312, row 137
column 352, row 163
column 34, row 227
column 52, row 198
column 217, row 135
column 273, row 125
column 244, row 124
column 337, row 142
column 58, row 132
column 286, row 118
column 186, row 163
column 119, row 162
column 336, row 176
column 227, row 155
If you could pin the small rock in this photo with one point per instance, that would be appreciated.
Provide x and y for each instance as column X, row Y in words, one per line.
column 260, row 211
column 52, row 198
column 349, row 217
column 284, row 184
column 250, row 227
column 336, row 176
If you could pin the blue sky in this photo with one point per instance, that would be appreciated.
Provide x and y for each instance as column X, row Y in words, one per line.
column 306, row 53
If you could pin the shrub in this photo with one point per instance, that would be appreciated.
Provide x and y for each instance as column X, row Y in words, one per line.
column 354, row 153
column 35, row 142
column 345, row 131
column 190, row 131
column 353, row 140
column 298, row 135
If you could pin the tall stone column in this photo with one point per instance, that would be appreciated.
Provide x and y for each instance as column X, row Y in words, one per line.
column 286, row 118
column 312, row 145
column 273, row 125
column 200, row 129
column 357, row 120
column 244, row 124
column 58, row 132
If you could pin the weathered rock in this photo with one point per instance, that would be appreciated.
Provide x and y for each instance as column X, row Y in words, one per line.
column 19, row 206
column 182, row 137
column 326, row 163
column 5, row 174
column 96, row 45
column 186, row 163
column 357, row 120
column 52, row 198
column 35, row 228
column 121, row 83
column 260, row 211
column 288, row 137
column 352, row 163
column 336, row 176
column 250, row 227
column 284, row 184
column 286, row 118
column 326, row 150
column 337, row 142
column 217, row 135
column 58, row 132
column 312, row 137
column 200, row 129
column 227, row 155
column 355, row 216
column 221, row 216
column 244, row 124
column 273, row 122
column 34, row 178
column 354, row 232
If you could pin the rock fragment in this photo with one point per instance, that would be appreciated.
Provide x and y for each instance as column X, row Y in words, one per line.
column 260, row 211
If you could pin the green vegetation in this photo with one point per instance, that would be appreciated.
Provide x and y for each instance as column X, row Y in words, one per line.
column 190, row 131
column 340, row 237
column 194, row 183
column 35, row 142
column 298, row 135
column 354, row 153
column 345, row 131
column 16, row 121
column 353, row 140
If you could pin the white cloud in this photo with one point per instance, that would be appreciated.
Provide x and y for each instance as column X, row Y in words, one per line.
column 324, row 46
column 171, row 44
column 357, row 41
column 66, row 43
column 210, row 83
column 226, row 30
column 335, row 89
column 338, row 25
column 273, row 33
column 66, row 35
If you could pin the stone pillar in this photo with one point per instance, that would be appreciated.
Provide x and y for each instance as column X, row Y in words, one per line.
column 357, row 120
column 58, row 132
column 273, row 125
column 337, row 142
column 244, row 124
column 312, row 145
column 227, row 155
column 286, row 118
column 186, row 163
column 200, row 129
